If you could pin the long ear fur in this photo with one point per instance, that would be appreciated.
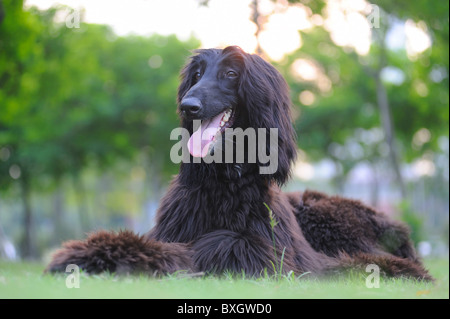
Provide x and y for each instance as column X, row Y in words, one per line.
column 265, row 94
column 185, row 80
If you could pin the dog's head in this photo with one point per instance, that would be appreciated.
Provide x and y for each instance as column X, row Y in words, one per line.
column 232, row 89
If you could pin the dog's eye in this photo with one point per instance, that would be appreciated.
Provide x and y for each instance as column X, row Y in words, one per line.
column 197, row 76
column 231, row 74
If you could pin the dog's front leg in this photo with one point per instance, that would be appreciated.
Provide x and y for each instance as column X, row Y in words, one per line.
column 122, row 252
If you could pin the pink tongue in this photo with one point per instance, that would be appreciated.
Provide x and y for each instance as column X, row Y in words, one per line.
column 202, row 138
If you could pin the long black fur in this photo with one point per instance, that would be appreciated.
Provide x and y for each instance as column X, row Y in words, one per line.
column 214, row 217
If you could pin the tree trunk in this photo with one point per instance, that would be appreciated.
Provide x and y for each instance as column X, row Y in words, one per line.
column 28, row 246
column 339, row 179
column 375, row 189
column 255, row 19
column 388, row 127
column 82, row 204
column 58, row 200
column 379, row 35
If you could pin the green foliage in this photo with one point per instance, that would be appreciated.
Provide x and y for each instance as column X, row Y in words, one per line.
column 78, row 97
column 73, row 99
column 342, row 120
column 326, row 121
column 351, row 105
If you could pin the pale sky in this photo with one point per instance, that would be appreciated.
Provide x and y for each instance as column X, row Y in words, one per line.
column 221, row 23
column 226, row 22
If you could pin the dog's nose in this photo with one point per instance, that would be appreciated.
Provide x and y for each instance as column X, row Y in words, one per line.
column 190, row 106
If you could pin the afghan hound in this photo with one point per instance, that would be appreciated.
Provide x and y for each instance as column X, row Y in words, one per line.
column 231, row 215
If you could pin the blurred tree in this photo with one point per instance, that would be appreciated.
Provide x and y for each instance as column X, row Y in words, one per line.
column 73, row 98
column 343, row 102
column 339, row 104
column 424, row 93
column 358, row 90
column 18, row 32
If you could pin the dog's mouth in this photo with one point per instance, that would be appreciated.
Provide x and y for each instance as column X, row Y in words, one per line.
column 203, row 139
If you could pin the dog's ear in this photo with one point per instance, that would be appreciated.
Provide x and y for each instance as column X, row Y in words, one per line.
column 185, row 80
column 265, row 94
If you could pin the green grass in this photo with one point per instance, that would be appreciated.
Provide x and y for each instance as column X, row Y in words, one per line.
column 25, row 280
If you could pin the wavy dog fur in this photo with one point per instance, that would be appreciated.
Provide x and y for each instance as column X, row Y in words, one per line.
column 213, row 217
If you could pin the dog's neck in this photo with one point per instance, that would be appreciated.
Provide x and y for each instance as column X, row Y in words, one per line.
column 193, row 174
column 210, row 197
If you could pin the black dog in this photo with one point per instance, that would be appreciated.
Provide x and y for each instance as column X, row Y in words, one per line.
column 221, row 216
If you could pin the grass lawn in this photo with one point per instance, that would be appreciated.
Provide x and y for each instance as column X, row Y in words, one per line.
column 25, row 280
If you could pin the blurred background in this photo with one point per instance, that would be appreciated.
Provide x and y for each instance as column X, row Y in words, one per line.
column 87, row 104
